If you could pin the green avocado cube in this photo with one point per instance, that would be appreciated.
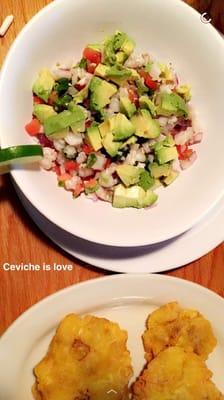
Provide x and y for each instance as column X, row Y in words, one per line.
column 145, row 126
column 63, row 120
column 171, row 104
column 133, row 196
column 93, row 135
column 170, row 178
column 126, row 106
column 166, row 154
column 128, row 174
column 104, row 128
column 110, row 146
column 101, row 92
column 43, row 111
column 121, row 127
column 44, row 84
column 145, row 102
column 158, row 171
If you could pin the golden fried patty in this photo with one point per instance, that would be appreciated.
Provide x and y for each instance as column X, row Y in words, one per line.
column 172, row 325
column 176, row 375
column 87, row 360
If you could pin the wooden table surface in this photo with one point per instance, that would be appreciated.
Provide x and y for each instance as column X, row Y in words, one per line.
column 21, row 241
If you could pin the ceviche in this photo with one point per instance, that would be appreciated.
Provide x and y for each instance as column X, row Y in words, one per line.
column 114, row 125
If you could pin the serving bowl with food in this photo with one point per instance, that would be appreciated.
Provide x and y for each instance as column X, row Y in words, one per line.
column 116, row 122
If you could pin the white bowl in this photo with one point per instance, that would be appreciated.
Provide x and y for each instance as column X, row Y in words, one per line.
column 171, row 31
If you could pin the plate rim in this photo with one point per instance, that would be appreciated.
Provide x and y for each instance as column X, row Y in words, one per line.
column 92, row 282
column 213, row 214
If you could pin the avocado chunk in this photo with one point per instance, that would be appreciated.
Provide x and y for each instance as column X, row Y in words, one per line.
column 101, row 70
column 63, row 120
column 145, row 102
column 44, row 84
column 78, row 126
column 110, row 146
column 184, row 91
column 126, row 106
column 118, row 74
column 94, row 137
column 168, row 141
column 146, row 181
column 158, row 171
column 115, row 73
column 170, row 178
column 117, row 48
column 166, row 154
column 43, row 111
column 104, row 128
column 128, row 174
column 128, row 142
column 133, row 196
column 145, row 125
column 101, row 92
column 121, row 127
column 171, row 104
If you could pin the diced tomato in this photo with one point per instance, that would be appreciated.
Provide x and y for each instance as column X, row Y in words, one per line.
column 88, row 123
column 87, row 149
column 79, row 87
column 92, row 55
column 57, row 170
column 38, row 100
column 78, row 189
column 149, row 82
column 64, row 177
column 184, row 153
column 53, row 98
column 90, row 183
column 133, row 96
column 107, row 164
column 33, row 128
column 90, row 67
column 71, row 166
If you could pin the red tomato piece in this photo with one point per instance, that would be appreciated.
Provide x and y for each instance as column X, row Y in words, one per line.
column 33, row 127
column 38, row 100
column 78, row 189
column 133, row 96
column 90, row 67
column 71, row 166
column 57, row 170
column 87, row 149
column 184, row 153
column 149, row 82
column 94, row 56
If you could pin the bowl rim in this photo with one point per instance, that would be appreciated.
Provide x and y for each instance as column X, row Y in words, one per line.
column 131, row 243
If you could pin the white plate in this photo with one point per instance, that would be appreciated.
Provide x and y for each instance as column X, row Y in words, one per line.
column 154, row 25
column 156, row 258
column 126, row 299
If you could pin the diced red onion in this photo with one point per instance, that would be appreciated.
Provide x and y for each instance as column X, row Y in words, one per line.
column 44, row 141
